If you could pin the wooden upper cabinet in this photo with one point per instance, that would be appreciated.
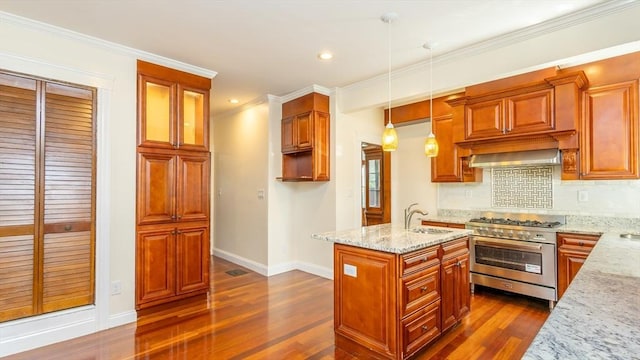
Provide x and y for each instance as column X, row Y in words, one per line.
column 529, row 112
column 445, row 167
column 609, row 140
column 297, row 132
column 305, row 138
column 173, row 108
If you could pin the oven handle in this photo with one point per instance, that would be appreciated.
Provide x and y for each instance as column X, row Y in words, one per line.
column 509, row 245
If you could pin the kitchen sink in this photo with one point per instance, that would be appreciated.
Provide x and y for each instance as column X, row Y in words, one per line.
column 431, row 231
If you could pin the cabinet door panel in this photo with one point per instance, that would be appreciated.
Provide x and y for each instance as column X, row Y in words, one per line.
column 155, row 263
column 193, row 122
column 530, row 112
column 288, row 135
column 156, row 187
column 445, row 167
column 448, row 289
column 610, row 132
column 192, row 259
column 304, row 130
column 193, row 188
column 484, row 119
column 156, row 126
column 463, row 287
column 371, row 287
column 569, row 263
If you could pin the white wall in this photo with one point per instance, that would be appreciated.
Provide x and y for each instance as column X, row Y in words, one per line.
column 352, row 130
column 240, row 172
column 411, row 174
column 42, row 50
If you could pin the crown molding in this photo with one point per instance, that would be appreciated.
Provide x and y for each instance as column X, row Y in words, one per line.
column 304, row 91
column 125, row 50
column 514, row 37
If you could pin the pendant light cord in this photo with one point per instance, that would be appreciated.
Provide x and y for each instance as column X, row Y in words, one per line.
column 431, row 87
column 389, row 67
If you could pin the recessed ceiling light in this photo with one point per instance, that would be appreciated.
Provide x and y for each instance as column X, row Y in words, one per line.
column 325, row 55
column 233, row 101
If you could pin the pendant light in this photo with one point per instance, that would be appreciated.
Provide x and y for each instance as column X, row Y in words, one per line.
column 389, row 136
column 430, row 144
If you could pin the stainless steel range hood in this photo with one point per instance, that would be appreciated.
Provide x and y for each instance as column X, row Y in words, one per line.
column 517, row 158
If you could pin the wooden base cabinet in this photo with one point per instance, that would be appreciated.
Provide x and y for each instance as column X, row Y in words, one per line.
column 173, row 263
column 456, row 295
column 573, row 250
column 389, row 305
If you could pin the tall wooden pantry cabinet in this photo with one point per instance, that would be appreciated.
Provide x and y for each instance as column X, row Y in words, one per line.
column 173, row 172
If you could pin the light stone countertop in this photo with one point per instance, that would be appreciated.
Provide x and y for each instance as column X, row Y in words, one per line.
column 598, row 317
column 391, row 238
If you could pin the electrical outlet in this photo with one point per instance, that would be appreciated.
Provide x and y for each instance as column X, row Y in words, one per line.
column 583, row 196
column 116, row 287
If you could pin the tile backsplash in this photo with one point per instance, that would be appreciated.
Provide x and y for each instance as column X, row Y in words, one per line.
column 571, row 197
column 522, row 187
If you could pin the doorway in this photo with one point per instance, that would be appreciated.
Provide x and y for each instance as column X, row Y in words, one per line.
column 375, row 185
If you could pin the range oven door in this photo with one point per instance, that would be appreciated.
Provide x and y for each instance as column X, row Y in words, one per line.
column 517, row 260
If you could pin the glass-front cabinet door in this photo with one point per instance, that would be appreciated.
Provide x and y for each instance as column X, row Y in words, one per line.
column 157, row 126
column 173, row 116
column 193, row 123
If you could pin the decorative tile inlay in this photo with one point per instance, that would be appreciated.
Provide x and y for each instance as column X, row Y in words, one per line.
column 522, row 187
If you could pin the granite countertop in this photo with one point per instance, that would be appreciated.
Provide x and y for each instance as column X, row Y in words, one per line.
column 598, row 317
column 392, row 238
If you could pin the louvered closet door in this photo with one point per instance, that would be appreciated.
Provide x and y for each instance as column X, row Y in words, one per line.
column 17, row 196
column 68, row 262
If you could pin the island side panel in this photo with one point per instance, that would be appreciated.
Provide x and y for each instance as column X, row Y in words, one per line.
column 365, row 300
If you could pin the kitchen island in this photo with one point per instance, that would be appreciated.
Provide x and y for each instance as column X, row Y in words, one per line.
column 397, row 290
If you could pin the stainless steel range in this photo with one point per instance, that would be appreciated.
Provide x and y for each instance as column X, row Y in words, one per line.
column 515, row 252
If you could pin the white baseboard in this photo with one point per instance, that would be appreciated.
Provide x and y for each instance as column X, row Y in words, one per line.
column 122, row 318
column 314, row 269
column 30, row 333
column 321, row 271
column 249, row 264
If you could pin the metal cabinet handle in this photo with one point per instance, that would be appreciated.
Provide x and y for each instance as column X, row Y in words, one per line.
column 423, row 289
column 581, row 243
column 424, row 327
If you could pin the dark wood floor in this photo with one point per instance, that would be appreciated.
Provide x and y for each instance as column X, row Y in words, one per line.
column 288, row 316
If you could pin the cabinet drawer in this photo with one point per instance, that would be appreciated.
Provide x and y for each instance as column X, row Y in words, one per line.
column 454, row 247
column 420, row 289
column 581, row 241
column 420, row 328
column 419, row 260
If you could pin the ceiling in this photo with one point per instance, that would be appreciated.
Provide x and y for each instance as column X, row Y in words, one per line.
column 260, row 47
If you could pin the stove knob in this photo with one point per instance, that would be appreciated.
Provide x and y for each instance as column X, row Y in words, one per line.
column 511, row 234
column 499, row 232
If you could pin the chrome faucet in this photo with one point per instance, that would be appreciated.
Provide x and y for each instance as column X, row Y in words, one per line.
column 408, row 214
